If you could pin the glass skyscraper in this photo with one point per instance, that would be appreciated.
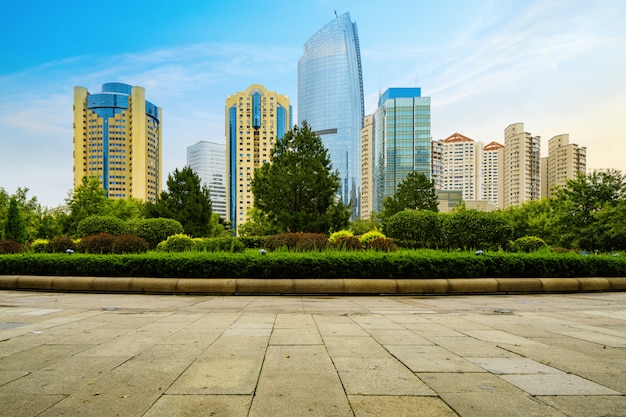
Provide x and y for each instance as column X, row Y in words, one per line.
column 330, row 98
column 401, row 140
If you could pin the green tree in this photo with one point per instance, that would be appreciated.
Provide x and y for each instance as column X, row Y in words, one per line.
column 185, row 200
column 415, row 192
column 473, row 229
column 88, row 199
column 361, row 226
column 578, row 205
column 297, row 189
column 14, row 227
column 533, row 218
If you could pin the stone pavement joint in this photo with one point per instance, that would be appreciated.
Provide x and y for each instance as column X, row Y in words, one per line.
column 83, row 354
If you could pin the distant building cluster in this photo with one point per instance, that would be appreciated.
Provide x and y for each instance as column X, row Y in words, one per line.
column 117, row 139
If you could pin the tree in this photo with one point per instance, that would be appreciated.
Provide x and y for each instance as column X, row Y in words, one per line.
column 415, row 192
column 297, row 189
column 185, row 200
column 14, row 227
column 88, row 199
column 533, row 218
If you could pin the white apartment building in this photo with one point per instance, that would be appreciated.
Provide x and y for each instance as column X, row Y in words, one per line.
column 208, row 160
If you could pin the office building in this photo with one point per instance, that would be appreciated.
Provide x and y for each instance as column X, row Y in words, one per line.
column 254, row 119
column 521, row 169
column 565, row 161
column 401, row 140
column 117, row 139
column 208, row 160
column 367, row 163
column 330, row 98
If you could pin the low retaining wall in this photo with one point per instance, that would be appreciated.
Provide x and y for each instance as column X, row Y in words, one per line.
column 230, row 286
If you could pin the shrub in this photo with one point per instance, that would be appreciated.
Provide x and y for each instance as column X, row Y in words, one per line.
column 178, row 243
column 60, row 244
column 129, row 244
column 473, row 229
column 10, row 246
column 252, row 242
column 39, row 246
column 382, row 244
column 155, row 230
column 296, row 241
column 94, row 225
column 219, row 244
column 528, row 244
column 415, row 228
column 337, row 235
column 347, row 243
column 369, row 236
column 101, row 243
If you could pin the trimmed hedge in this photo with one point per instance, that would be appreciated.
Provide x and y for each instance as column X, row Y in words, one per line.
column 328, row 264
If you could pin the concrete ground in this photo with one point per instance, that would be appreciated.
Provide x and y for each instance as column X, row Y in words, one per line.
column 79, row 354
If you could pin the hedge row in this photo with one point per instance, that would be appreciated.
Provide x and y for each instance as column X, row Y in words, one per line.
column 329, row 264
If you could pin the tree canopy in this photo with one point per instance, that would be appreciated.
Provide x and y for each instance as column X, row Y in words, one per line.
column 14, row 227
column 415, row 192
column 297, row 189
column 185, row 200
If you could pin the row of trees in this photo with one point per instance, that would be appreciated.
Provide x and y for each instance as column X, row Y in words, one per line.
column 297, row 192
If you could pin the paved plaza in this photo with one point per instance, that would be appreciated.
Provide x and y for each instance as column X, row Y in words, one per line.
column 80, row 354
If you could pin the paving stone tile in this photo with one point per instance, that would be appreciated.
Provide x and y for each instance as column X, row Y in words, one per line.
column 500, row 337
column 26, row 405
column 304, row 336
column 399, row 406
column 513, row 366
column 200, row 405
column 398, row 337
column 431, row 359
column 468, row 346
column 39, row 357
column 8, row 376
column 496, row 404
column 596, row 406
column 466, row 382
column 354, row 347
column 557, row 384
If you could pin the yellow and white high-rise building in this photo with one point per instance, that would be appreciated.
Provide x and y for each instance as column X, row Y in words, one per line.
column 521, row 170
column 367, row 163
column 461, row 158
column 255, row 118
column 117, row 139
column 565, row 160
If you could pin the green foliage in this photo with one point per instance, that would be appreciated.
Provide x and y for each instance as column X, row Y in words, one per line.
column 88, row 199
column 415, row 192
column 296, row 190
column 415, row 228
column 257, row 224
column 94, row 225
column 179, row 243
column 382, row 244
column 472, row 229
column 347, row 243
column 362, row 226
column 219, row 244
column 39, row 246
column 533, row 218
column 101, row 243
column 528, row 244
column 126, row 243
column 14, row 227
column 10, row 246
column 186, row 201
column 155, row 230
column 341, row 233
column 369, row 236
column 60, row 244
column 297, row 242
column 252, row 242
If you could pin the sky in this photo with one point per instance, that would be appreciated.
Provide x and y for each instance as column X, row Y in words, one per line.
column 558, row 66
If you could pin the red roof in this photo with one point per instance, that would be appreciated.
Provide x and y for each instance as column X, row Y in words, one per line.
column 457, row 137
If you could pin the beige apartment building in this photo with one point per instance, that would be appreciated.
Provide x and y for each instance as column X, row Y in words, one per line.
column 367, row 180
column 461, row 159
column 491, row 166
column 521, row 169
column 564, row 161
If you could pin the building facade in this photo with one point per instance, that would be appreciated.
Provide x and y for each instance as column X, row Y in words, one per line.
column 367, row 181
column 330, row 98
column 521, row 168
column 255, row 118
column 461, row 160
column 208, row 160
column 401, row 140
column 565, row 160
column 491, row 167
column 117, row 139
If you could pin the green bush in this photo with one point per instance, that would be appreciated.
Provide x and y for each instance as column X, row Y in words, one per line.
column 129, row 244
column 219, row 244
column 101, row 243
column 10, row 246
column 39, row 246
column 382, row 244
column 61, row 244
column 369, row 236
column 341, row 233
column 179, row 243
column 155, row 230
column 473, row 229
column 94, row 225
column 297, row 242
column 528, row 244
column 415, row 229
column 347, row 243
column 252, row 242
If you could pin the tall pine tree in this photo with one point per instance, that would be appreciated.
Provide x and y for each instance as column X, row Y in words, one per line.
column 14, row 226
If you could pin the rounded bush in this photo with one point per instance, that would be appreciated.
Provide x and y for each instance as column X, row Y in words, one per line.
column 366, row 238
column 297, row 241
column 39, row 246
column 155, row 230
column 60, row 244
column 94, row 225
column 348, row 243
column 341, row 233
column 528, row 244
column 179, row 243
column 102, row 243
column 219, row 244
column 129, row 244
column 10, row 246
column 473, row 229
column 382, row 244
column 414, row 228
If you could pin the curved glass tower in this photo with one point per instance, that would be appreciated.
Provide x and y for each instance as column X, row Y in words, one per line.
column 330, row 98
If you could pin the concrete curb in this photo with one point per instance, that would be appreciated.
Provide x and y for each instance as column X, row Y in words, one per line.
column 312, row 286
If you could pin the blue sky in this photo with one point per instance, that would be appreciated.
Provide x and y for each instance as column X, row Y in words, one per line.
column 558, row 66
